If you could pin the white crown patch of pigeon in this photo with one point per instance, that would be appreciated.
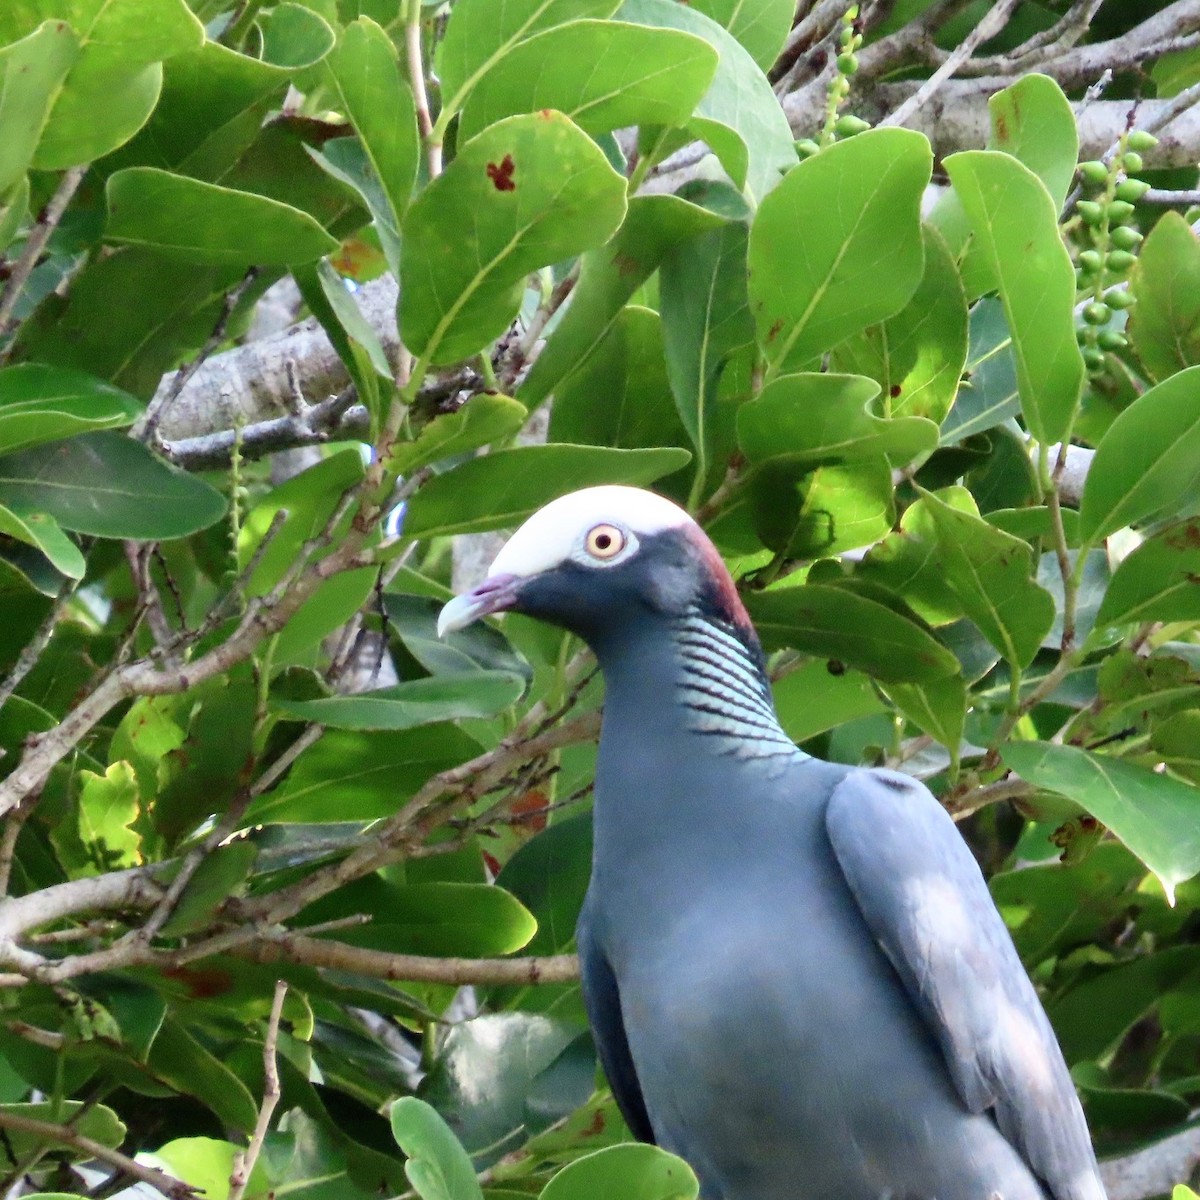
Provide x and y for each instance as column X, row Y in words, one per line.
column 557, row 532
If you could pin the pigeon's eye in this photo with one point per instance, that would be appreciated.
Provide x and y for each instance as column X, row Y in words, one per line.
column 605, row 541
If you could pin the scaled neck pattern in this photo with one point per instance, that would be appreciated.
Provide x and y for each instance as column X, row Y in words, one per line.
column 724, row 691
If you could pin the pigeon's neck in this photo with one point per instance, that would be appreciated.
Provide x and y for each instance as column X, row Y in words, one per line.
column 697, row 681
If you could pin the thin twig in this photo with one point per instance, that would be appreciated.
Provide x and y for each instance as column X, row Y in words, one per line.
column 35, row 647
column 39, row 235
column 416, row 77
column 243, row 1161
column 1183, row 197
column 994, row 20
column 62, row 1135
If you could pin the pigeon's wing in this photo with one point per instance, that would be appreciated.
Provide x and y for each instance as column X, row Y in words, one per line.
column 926, row 902
column 603, row 1003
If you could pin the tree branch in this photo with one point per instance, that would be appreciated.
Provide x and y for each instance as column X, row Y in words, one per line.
column 1155, row 1170
column 243, row 1161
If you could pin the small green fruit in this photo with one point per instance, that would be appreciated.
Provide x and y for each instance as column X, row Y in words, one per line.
column 1119, row 297
column 1090, row 211
column 846, row 37
column 1140, row 140
column 1111, row 339
column 849, row 125
column 1119, row 261
column 1132, row 162
column 1091, row 260
column 1094, row 172
column 806, row 148
column 848, row 64
column 1093, row 358
column 1096, row 313
column 1125, row 237
column 1131, row 189
column 1119, row 211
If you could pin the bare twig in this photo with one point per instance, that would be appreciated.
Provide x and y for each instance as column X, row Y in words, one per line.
column 39, row 235
column 416, row 77
column 243, row 1161
column 35, row 647
column 994, row 20
column 63, row 1135
column 1183, row 197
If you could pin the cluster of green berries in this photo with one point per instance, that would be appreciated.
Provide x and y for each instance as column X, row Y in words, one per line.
column 849, row 40
column 1112, row 241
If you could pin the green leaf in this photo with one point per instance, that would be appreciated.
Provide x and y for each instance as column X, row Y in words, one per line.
column 479, row 35
column 635, row 1172
column 826, row 418
column 204, row 223
column 13, row 210
column 705, row 318
column 181, row 1062
column 1033, row 121
column 377, row 99
column 1164, row 325
column 988, row 395
column 477, row 648
column 207, row 1164
column 527, row 192
column 636, row 76
column 414, row 702
column 482, row 420
column 295, row 36
column 990, row 573
column 42, row 531
column 114, row 83
column 219, row 876
column 1015, row 223
column 820, row 695
column 438, row 1166
column 761, row 26
column 834, row 622
column 863, row 256
column 109, row 486
column 739, row 116
column 108, row 808
column 350, row 776
column 40, row 403
column 608, row 277
column 31, row 75
column 500, row 490
column 1158, row 581
column 938, row 706
column 1148, row 461
column 919, row 354
column 1153, row 814
column 96, row 1121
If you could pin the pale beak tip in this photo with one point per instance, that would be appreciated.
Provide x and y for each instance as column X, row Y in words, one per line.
column 457, row 614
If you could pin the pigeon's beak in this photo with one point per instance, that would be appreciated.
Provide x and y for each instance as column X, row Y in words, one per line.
column 494, row 594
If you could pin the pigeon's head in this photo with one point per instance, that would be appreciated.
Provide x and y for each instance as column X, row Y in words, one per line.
column 598, row 559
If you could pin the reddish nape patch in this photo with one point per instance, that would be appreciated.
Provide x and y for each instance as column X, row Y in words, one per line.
column 502, row 175
column 722, row 593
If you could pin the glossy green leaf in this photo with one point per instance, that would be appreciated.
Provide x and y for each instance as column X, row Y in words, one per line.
column 635, row 1171
column 1164, row 325
column 375, row 96
column 739, row 117
column 110, row 486
column 95, row 1121
column 636, row 76
column 608, row 277
column 820, row 695
column 43, row 531
column 114, row 83
column 14, row 208
column 414, row 702
column 863, row 255
column 479, row 35
column 351, row 776
column 991, row 574
column 482, row 420
column 437, row 1166
column 525, row 193
column 179, row 1060
column 219, row 876
column 207, row 1163
column 333, row 603
column 1033, row 121
column 108, row 808
column 40, row 403
column 295, row 36
column 1153, row 814
column 1159, row 581
column 500, row 490
column 918, row 355
column 761, row 26
column 476, row 648
column 205, row 223
column 705, row 318
column 31, row 74
column 834, row 622
column 827, row 418
column 1015, row 224
column 988, row 395
column 1148, row 461
column 938, row 706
